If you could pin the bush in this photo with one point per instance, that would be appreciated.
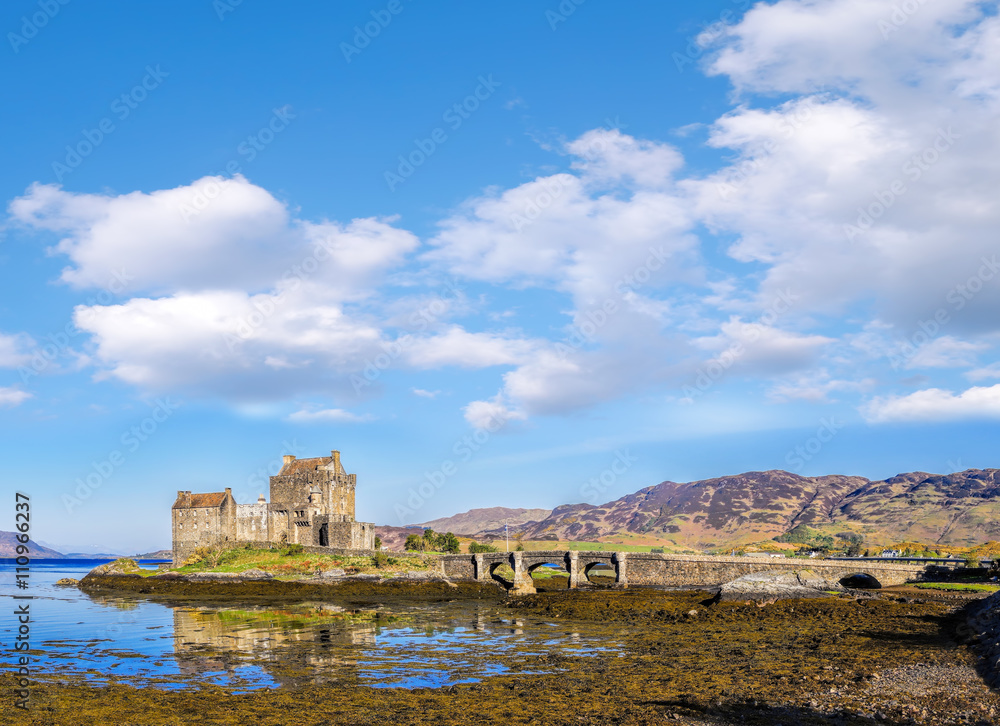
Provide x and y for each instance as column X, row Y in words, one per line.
column 476, row 547
column 293, row 549
column 378, row 542
column 972, row 562
column 380, row 559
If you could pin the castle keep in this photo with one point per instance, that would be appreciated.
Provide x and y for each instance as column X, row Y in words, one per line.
column 312, row 503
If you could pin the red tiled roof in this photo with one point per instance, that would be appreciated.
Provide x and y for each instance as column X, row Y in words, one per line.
column 213, row 499
column 304, row 466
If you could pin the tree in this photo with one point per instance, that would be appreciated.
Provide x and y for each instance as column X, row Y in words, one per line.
column 449, row 543
column 430, row 539
column 476, row 547
column 378, row 542
column 414, row 543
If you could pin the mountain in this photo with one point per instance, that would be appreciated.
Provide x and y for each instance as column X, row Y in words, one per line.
column 478, row 520
column 158, row 555
column 9, row 543
column 958, row 509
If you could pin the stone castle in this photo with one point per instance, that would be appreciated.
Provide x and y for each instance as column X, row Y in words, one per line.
column 312, row 503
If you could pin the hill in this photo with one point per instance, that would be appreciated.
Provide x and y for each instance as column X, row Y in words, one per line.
column 8, row 548
column 478, row 520
column 960, row 509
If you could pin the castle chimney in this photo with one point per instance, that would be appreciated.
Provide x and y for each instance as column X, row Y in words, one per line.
column 336, row 462
column 287, row 459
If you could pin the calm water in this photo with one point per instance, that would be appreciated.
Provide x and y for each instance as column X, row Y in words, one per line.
column 248, row 647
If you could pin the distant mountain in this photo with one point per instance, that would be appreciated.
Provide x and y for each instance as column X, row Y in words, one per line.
column 395, row 537
column 9, row 543
column 478, row 520
column 958, row 509
column 158, row 555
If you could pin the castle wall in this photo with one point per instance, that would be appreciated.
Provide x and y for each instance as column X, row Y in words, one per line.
column 252, row 522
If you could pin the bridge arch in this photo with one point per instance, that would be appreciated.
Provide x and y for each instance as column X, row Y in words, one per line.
column 598, row 568
column 504, row 577
column 860, row 581
column 556, row 566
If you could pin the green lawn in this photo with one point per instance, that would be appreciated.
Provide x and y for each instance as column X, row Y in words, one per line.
column 957, row 586
column 282, row 564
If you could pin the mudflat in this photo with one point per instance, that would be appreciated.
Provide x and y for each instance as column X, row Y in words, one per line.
column 686, row 659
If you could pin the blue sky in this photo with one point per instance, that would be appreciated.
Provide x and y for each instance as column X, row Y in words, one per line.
column 492, row 254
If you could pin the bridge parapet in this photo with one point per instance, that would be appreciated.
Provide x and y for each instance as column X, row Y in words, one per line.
column 645, row 568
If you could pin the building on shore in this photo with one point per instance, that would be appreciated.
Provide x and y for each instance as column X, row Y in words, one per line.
column 312, row 503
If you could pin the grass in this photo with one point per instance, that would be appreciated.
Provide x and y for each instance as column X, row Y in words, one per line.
column 279, row 564
column 957, row 586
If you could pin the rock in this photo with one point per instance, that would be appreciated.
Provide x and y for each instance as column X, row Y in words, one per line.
column 121, row 566
column 67, row 582
column 770, row 586
column 255, row 574
column 334, row 572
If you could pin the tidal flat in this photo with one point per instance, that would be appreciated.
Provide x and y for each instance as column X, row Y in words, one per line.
column 559, row 657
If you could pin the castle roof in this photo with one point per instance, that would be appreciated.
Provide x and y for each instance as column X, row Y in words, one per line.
column 304, row 466
column 212, row 499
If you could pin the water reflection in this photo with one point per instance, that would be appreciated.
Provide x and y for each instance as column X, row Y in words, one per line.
column 246, row 647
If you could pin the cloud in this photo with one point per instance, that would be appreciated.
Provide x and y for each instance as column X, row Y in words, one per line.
column 15, row 350
column 946, row 352
column 491, row 415
column 11, row 397
column 243, row 239
column 935, row 405
column 425, row 394
column 329, row 415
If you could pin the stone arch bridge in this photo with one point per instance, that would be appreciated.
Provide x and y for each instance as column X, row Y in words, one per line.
column 647, row 569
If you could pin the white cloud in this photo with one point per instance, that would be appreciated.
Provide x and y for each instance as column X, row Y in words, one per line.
column 425, row 393
column 243, row 239
column 328, row 415
column 491, row 415
column 459, row 347
column 935, row 405
column 762, row 349
column 984, row 373
column 15, row 350
column 11, row 397
column 946, row 352
column 581, row 233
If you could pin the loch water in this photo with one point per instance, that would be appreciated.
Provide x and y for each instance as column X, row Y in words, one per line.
column 388, row 643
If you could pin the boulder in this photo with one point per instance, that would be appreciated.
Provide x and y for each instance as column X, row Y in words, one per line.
column 121, row 566
column 778, row 585
column 67, row 582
